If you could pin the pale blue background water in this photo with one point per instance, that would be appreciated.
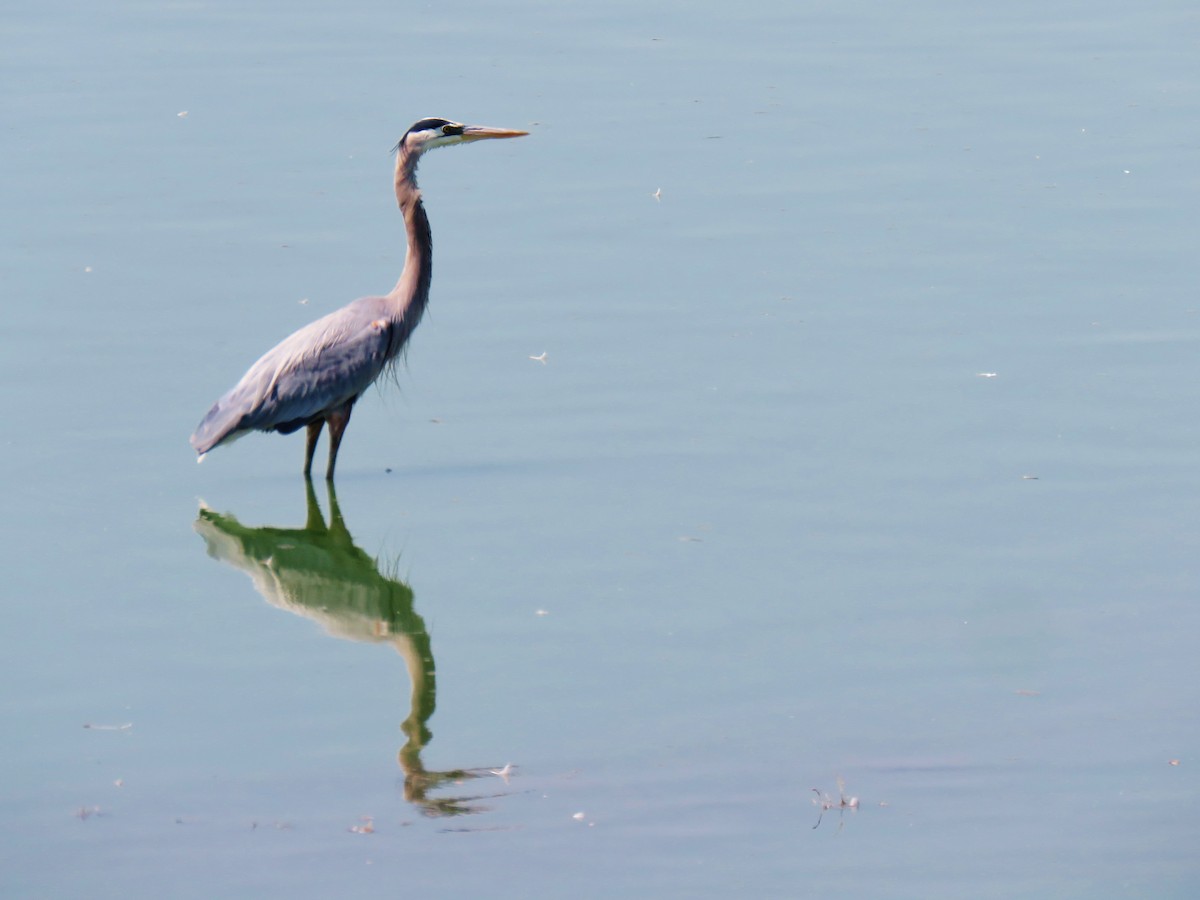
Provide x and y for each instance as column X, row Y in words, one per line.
column 780, row 527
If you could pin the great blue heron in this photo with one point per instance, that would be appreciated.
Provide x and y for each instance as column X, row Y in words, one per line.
column 317, row 374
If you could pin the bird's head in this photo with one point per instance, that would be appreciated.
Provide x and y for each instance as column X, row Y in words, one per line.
column 430, row 133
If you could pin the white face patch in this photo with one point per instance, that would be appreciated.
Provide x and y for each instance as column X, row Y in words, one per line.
column 431, row 138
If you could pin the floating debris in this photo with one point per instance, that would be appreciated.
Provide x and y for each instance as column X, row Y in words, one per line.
column 367, row 826
column 843, row 803
column 503, row 773
column 124, row 727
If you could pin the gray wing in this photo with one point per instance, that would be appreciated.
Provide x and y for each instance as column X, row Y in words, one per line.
column 322, row 366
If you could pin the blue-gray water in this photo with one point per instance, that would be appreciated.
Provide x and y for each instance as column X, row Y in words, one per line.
column 864, row 447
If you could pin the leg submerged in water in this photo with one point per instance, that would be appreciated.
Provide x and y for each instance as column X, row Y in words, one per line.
column 338, row 421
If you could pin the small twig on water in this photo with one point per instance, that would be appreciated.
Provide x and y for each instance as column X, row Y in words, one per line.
column 825, row 802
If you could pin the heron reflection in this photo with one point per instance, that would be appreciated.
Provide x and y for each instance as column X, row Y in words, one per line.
column 318, row 572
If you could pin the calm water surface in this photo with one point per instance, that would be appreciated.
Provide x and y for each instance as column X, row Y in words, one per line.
column 864, row 448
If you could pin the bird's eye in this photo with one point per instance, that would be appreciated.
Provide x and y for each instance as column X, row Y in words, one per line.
column 452, row 129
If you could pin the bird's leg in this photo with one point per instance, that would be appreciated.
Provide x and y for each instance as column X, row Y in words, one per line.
column 338, row 420
column 314, row 432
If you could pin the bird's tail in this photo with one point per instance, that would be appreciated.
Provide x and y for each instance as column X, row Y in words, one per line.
column 219, row 426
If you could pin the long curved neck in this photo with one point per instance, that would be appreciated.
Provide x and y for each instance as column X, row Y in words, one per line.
column 411, row 293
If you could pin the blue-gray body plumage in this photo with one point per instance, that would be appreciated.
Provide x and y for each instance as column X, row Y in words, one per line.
column 323, row 366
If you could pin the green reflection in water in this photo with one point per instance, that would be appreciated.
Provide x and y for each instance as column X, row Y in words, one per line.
column 318, row 572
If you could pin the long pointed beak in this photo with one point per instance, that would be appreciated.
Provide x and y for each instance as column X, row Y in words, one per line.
column 482, row 132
